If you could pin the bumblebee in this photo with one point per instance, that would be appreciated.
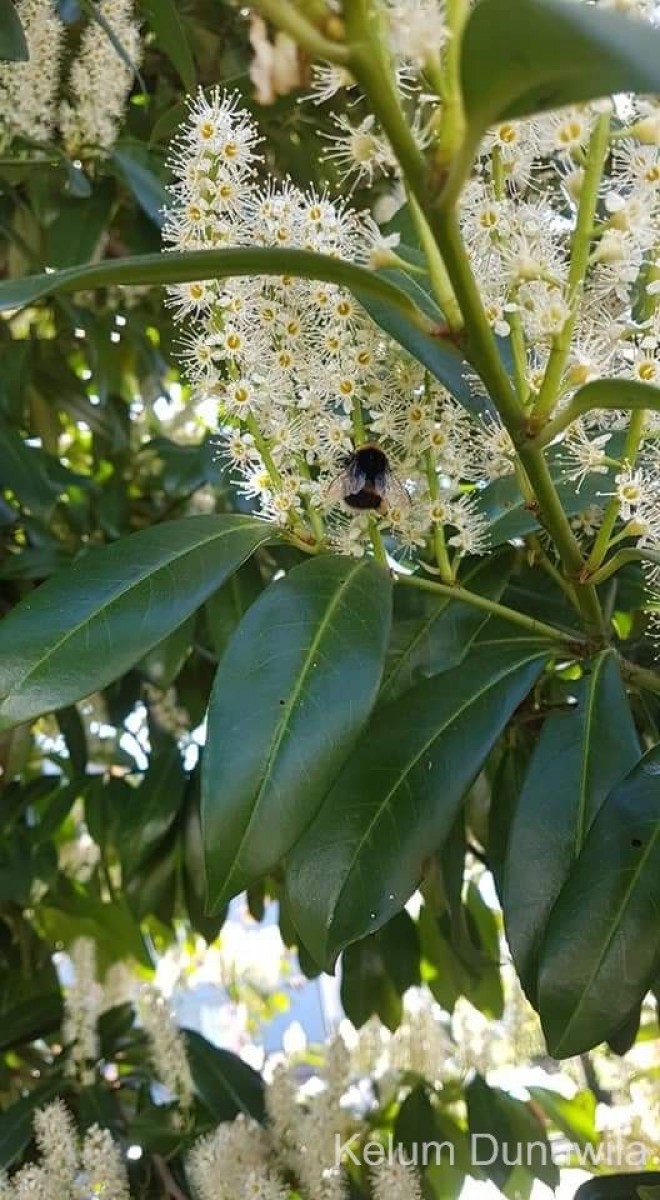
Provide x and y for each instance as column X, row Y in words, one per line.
column 367, row 483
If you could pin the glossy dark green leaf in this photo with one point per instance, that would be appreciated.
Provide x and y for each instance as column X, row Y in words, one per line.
column 34, row 1016
column 576, row 1118
column 634, row 1185
column 149, row 191
column 225, row 609
column 505, row 789
column 508, row 514
column 430, row 635
column 366, row 987
column 16, row 1121
column 624, row 1038
column 601, row 950
column 504, row 1129
column 23, row 471
column 293, row 689
column 525, row 56
column 158, row 1129
column 98, row 1105
column 89, row 623
column 183, row 266
column 13, row 46
column 162, row 664
column 73, row 237
column 583, row 751
column 226, row 1084
column 192, row 869
column 397, row 797
column 164, row 19
column 154, row 809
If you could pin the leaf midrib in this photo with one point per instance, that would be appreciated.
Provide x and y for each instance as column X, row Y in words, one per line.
column 18, row 686
column 384, row 807
column 287, row 713
column 613, row 931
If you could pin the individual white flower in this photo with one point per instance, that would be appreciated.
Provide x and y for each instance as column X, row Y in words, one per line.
column 585, row 451
column 359, row 151
column 29, row 90
column 166, row 1045
column 100, row 81
column 631, row 488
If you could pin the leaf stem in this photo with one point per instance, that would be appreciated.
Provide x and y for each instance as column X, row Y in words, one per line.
column 462, row 595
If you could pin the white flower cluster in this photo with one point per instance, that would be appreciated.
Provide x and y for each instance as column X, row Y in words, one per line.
column 83, row 1005
column 66, row 1170
column 166, row 1045
column 28, row 90
column 96, row 90
column 243, row 1161
column 100, row 82
column 301, row 375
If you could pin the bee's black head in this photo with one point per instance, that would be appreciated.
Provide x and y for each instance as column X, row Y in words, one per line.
column 371, row 461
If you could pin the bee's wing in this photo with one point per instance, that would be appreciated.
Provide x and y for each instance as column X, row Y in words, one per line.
column 354, row 478
column 396, row 495
column 335, row 490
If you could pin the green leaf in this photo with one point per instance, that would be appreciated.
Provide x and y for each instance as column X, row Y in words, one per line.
column 508, row 514
column 149, row 191
column 502, row 1129
column 24, row 473
column 13, row 46
column 225, row 609
column 293, row 689
column 155, row 807
column 90, row 622
column 397, row 797
column 526, row 56
column 162, row 664
column 582, row 753
column 378, row 970
column 431, row 635
column 164, row 19
column 33, row 1017
column 192, row 869
column 16, row 1121
column 226, row 1084
column 634, row 1185
column 181, row 267
column 73, row 237
column 601, row 950
column 576, row 1118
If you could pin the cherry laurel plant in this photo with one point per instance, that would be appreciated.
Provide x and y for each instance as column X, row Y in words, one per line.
column 463, row 660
